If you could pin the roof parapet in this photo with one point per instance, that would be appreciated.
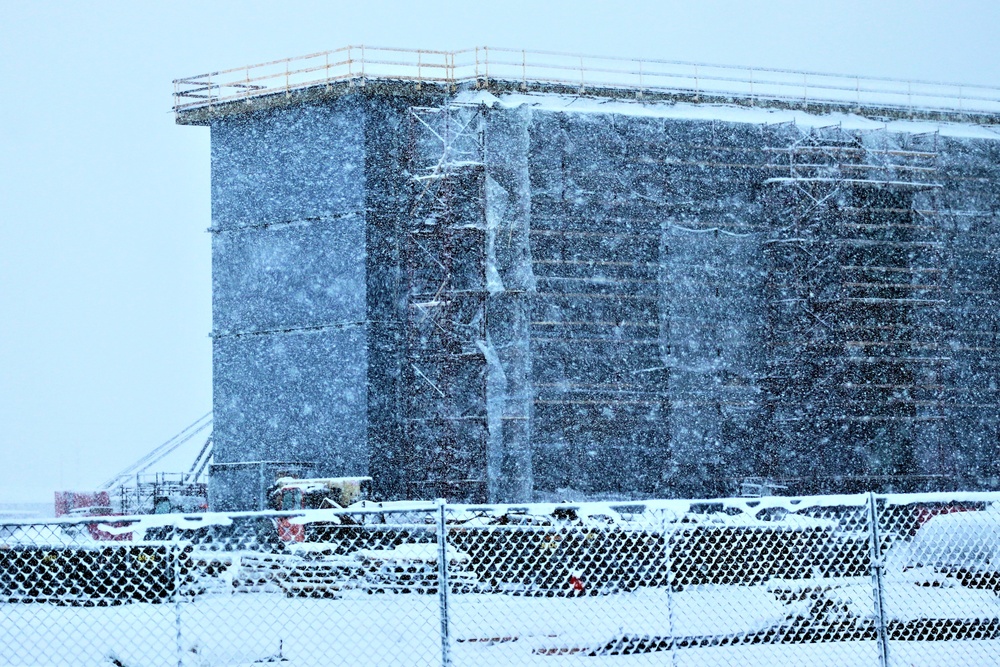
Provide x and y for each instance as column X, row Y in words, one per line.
column 486, row 67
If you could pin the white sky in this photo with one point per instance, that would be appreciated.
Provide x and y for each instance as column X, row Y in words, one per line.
column 105, row 290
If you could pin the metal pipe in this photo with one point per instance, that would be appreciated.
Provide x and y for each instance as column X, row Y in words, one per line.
column 875, row 548
column 442, row 542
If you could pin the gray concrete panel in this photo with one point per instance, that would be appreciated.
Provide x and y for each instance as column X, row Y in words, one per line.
column 307, row 274
column 293, row 397
column 293, row 163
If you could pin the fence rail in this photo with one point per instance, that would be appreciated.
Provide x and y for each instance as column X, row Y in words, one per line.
column 534, row 69
column 823, row 580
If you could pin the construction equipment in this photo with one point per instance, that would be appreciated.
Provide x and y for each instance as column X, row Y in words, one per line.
column 316, row 493
column 135, row 491
column 289, row 493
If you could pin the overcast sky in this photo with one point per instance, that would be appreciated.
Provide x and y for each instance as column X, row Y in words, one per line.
column 105, row 290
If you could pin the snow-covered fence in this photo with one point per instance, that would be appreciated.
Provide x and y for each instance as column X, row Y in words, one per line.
column 531, row 70
column 826, row 580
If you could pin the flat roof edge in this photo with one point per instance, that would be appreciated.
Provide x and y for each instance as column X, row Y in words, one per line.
column 434, row 92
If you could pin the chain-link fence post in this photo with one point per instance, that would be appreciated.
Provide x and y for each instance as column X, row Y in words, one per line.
column 877, row 568
column 668, row 563
column 176, row 548
column 442, row 543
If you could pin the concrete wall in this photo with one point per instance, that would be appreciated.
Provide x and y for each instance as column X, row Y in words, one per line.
column 596, row 305
column 289, row 292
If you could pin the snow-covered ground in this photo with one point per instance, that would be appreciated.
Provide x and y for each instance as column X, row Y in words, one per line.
column 364, row 629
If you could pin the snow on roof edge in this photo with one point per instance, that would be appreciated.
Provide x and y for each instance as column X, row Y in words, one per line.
column 730, row 113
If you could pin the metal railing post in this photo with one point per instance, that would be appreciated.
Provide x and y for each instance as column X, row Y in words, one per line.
column 442, row 541
column 877, row 567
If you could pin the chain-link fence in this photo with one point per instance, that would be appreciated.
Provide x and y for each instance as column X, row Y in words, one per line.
column 826, row 580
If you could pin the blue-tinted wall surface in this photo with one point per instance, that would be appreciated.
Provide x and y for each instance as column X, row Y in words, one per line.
column 516, row 303
column 289, row 306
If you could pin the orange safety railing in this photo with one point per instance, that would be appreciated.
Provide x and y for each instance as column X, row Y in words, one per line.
column 580, row 73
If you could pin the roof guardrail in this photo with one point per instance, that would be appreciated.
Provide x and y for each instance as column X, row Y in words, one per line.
column 583, row 73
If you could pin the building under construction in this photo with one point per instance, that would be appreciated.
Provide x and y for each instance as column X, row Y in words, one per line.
column 503, row 276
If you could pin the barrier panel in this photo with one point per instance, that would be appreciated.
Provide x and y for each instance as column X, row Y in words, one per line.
column 823, row 580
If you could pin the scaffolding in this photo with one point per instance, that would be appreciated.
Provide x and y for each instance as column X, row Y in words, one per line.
column 859, row 304
column 162, row 493
column 444, row 263
column 868, row 359
column 875, row 372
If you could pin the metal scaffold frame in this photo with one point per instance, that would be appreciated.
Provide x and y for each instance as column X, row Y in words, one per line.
column 858, row 298
column 445, row 301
